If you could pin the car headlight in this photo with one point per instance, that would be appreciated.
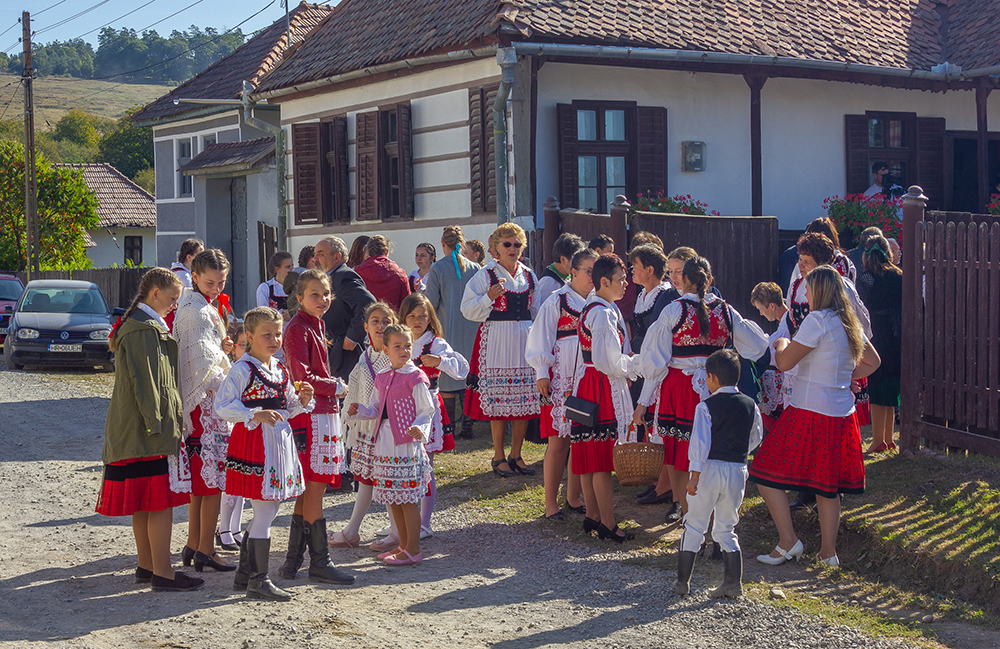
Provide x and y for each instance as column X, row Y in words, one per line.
column 27, row 333
column 100, row 334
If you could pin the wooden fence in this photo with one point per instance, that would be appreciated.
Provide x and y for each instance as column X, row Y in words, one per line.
column 119, row 285
column 950, row 377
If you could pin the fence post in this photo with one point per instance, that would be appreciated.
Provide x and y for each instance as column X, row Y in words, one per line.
column 911, row 383
column 619, row 224
column 550, row 208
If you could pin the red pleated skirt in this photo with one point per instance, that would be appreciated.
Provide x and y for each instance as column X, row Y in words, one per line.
column 245, row 463
column 448, row 428
column 198, row 486
column 304, row 432
column 677, row 404
column 807, row 451
column 592, row 448
column 862, row 404
column 139, row 485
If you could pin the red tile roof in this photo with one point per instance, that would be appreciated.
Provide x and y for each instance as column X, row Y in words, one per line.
column 121, row 203
column 915, row 34
column 244, row 154
column 224, row 78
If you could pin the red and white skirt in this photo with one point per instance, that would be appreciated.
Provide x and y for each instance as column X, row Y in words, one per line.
column 807, row 451
column 592, row 448
column 138, row 485
column 442, row 430
column 194, row 449
column 501, row 383
column 675, row 418
column 262, row 463
column 320, row 445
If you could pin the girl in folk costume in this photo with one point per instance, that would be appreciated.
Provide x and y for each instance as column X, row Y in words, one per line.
column 841, row 262
column 258, row 396
column 502, row 384
column 433, row 355
column 361, row 432
column 557, row 274
column 318, row 436
column 673, row 363
column 401, row 402
column 200, row 328
column 189, row 250
column 770, row 302
column 553, row 350
column 424, row 257
column 602, row 379
column 144, row 429
column 816, row 444
column 272, row 292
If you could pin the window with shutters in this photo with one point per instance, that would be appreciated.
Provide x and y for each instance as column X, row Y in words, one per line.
column 385, row 164
column 912, row 147
column 319, row 157
column 609, row 148
column 481, row 151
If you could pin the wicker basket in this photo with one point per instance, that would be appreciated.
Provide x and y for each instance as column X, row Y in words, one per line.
column 637, row 464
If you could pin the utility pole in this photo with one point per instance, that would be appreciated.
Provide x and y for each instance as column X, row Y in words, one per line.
column 30, row 184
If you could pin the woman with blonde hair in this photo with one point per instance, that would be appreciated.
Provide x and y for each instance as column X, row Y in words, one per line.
column 444, row 286
column 816, row 445
column 501, row 383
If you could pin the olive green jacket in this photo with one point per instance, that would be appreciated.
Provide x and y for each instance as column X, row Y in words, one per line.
column 145, row 414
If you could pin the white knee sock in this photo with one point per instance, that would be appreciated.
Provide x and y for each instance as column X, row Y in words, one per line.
column 264, row 513
column 361, row 504
column 231, row 509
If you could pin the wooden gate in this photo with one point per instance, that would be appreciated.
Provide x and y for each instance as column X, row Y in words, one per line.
column 950, row 377
column 267, row 245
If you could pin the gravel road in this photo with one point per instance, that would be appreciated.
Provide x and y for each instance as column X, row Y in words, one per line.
column 66, row 572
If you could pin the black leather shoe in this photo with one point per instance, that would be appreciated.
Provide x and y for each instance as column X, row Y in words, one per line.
column 676, row 513
column 653, row 498
column 180, row 582
column 604, row 533
column 201, row 560
column 590, row 525
column 558, row 516
column 500, row 472
column 187, row 555
column 512, row 462
column 143, row 576
column 230, row 547
column 802, row 500
column 582, row 509
column 645, row 492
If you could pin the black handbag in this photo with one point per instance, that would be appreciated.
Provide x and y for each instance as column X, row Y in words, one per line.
column 581, row 411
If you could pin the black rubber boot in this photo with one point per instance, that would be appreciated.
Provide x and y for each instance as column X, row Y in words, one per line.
column 242, row 577
column 466, row 432
column 260, row 587
column 732, row 583
column 296, row 549
column 685, row 566
column 321, row 569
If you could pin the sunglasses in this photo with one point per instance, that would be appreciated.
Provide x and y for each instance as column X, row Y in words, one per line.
column 515, row 244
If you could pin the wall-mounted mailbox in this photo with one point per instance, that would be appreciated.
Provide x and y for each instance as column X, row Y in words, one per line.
column 693, row 156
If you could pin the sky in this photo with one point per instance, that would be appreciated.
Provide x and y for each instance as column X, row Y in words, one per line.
column 45, row 14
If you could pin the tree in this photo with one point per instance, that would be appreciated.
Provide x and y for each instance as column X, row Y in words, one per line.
column 77, row 126
column 66, row 209
column 128, row 148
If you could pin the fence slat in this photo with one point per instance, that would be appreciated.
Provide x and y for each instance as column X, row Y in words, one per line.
column 939, row 323
column 983, row 366
column 971, row 329
column 929, row 287
column 956, row 388
column 994, row 355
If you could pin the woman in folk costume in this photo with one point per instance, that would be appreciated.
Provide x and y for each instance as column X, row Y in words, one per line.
column 200, row 329
column 444, row 286
column 673, row 359
column 318, row 436
column 361, row 432
column 553, row 350
column 435, row 357
column 502, row 384
column 602, row 379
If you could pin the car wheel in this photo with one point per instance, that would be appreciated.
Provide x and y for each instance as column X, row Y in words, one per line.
column 109, row 367
column 8, row 351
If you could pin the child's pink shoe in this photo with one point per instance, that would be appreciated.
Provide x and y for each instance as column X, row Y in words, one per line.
column 388, row 553
column 410, row 559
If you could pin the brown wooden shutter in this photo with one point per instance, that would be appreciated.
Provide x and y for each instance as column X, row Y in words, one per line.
column 930, row 159
column 367, row 165
column 856, row 139
column 482, row 152
column 308, row 173
column 405, row 161
column 569, row 190
column 652, row 149
column 339, row 208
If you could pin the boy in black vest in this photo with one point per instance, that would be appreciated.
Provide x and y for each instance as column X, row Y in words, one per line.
column 727, row 426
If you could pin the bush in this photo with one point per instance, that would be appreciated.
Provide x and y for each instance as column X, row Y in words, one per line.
column 679, row 204
column 855, row 212
column 146, row 178
column 994, row 206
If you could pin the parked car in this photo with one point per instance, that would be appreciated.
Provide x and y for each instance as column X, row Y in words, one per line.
column 10, row 291
column 60, row 322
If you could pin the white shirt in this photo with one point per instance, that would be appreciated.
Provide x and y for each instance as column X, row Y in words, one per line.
column 823, row 377
column 860, row 309
column 229, row 401
column 418, row 281
column 608, row 352
column 701, row 431
column 547, row 285
column 148, row 310
column 647, row 299
column 182, row 272
column 657, row 349
column 477, row 305
column 263, row 295
column 540, row 352
column 452, row 363
column 874, row 189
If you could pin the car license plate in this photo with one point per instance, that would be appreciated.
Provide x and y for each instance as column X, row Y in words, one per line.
column 3, row 331
column 65, row 348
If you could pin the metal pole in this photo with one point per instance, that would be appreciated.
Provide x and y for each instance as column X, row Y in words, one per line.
column 30, row 186
column 506, row 59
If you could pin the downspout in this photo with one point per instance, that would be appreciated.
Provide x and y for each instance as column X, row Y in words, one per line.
column 279, row 159
column 506, row 59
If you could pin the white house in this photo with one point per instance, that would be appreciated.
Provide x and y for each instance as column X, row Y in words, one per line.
column 388, row 108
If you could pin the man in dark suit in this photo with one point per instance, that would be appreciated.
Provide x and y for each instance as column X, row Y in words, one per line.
column 345, row 319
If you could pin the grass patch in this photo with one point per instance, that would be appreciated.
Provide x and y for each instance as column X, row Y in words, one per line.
column 55, row 96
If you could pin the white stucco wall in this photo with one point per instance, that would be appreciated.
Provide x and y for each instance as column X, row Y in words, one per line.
column 107, row 253
column 803, row 149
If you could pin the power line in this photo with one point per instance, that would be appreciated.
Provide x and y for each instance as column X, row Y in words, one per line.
column 7, row 51
column 115, row 20
column 50, row 7
column 11, row 100
column 139, row 31
column 10, row 28
column 73, row 17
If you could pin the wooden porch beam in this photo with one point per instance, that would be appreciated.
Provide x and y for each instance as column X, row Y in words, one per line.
column 756, row 82
column 982, row 135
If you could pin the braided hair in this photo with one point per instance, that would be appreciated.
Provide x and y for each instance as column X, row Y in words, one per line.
column 698, row 272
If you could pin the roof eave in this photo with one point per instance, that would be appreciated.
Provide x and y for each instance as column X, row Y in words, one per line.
column 202, row 111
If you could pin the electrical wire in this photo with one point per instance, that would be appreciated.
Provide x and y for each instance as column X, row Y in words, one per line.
column 10, row 28
column 110, row 22
column 71, row 18
column 11, row 100
column 49, row 7
column 7, row 51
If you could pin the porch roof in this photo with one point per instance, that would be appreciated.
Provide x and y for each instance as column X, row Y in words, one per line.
column 909, row 34
column 227, row 157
